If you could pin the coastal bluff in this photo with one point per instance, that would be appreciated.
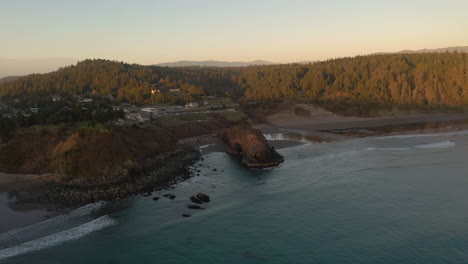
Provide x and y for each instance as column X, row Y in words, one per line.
column 250, row 146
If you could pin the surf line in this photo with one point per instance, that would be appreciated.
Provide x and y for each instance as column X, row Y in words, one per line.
column 58, row 238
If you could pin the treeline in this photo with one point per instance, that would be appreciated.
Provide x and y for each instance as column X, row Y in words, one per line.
column 382, row 80
column 126, row 82
column 407, row 80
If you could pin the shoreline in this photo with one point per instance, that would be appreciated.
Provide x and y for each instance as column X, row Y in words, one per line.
column 25, row 214
column 27, row 199
column 336, row 128
column 322, row 123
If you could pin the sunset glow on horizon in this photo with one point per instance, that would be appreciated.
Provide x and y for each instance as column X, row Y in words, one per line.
column 150, row 32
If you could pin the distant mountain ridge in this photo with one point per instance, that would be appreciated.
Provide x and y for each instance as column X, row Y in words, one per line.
column 440, row 50
column 9, row 79
column 212, row 63
column 462, row 49
column 449, row 49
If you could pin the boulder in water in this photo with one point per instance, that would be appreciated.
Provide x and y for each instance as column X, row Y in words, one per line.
column 203, row 197
column 194, row 207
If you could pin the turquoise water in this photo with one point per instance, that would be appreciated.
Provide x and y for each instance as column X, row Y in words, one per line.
column 369, row 200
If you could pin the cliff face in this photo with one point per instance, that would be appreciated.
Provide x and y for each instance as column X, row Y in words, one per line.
column 251, row 147
column 82, row 153
column 88, row 165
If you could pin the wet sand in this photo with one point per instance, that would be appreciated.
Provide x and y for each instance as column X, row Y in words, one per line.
column 14, row 215
column 17, row 182
column 333, row 128
column 340, row 122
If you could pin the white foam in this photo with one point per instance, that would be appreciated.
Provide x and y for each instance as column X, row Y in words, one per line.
column 459, row 133
column 206, row 146
column 30, row 232
column 389, row 149
column 443, row 144
column 58, row 238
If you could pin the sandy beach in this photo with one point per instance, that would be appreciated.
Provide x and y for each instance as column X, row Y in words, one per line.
column 329, row 126
column 340, row 122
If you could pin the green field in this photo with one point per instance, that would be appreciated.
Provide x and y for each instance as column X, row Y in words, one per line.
column 48, row 126
column 219, row 102
column 233, row 115
column 183, row 118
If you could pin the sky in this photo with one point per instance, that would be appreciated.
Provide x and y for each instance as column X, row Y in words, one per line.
column 38, row 36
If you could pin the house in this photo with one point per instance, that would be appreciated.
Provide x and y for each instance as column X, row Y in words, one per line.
column 9, row 115
column 140, row 117
column 191, row 105
column 34, row 110
column 174, row 90
column 86, row 100
column 56, row 98
column 145, row 116
column 110, row 97
column 119, row 122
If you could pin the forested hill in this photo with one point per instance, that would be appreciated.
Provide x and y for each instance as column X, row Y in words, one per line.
column 413, row 80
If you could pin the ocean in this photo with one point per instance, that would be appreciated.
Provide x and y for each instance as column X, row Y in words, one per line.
column 386, row 199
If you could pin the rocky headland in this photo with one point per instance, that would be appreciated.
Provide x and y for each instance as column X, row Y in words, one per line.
column 83, row 165
column 250, row 146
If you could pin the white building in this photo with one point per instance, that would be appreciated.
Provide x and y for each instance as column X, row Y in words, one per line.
column 85, row 100
column 56, row 98
column 140, row 117
column 149, row 109
column 119, row 122
column 191, row 105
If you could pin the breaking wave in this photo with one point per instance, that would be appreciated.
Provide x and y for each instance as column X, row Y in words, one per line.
column 443, row 144
column 459, row 133
column 58, row 223
column 58, row 238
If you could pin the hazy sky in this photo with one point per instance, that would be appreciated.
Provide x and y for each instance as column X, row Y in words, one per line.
column 153, row 31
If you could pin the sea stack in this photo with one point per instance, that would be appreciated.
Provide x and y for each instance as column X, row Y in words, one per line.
column 251, row 147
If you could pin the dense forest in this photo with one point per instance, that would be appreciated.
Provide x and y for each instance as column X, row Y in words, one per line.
column 427, row 80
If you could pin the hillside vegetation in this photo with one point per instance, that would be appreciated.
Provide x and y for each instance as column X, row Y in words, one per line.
column 82, row 153
column 423, row 81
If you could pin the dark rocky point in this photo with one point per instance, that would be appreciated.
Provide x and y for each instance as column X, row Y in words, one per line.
column 195, row 200
column 172, row 197
column 155, row 198
column 251, row 147
column 202, row 197
column 194, row 207
column 186, row 215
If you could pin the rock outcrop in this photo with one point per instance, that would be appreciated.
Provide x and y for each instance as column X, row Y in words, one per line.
column 200, row 198
column 251, row 147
